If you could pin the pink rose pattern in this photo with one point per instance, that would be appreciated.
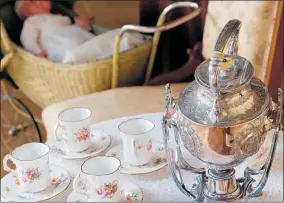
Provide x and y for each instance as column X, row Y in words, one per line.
column 148, row 146
column 107, row 190
column 139, row 147
column 56, row 182
column 82, row 134
column 30, row 175
column 131, row 197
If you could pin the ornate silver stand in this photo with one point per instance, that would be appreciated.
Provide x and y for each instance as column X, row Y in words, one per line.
column 221, row 118
column 215, row 185
column 222, row 185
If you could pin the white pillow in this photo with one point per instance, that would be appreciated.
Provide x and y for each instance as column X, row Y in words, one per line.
column 64, row 39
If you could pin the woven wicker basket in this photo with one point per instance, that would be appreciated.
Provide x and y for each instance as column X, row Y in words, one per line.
column 45, row 82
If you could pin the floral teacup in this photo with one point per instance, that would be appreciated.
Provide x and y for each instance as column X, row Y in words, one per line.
column 75, row 124
column 100, row 178
column 32, row 166
column 137, row 141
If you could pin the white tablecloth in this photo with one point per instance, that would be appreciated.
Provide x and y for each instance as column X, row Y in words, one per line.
column 158, row 186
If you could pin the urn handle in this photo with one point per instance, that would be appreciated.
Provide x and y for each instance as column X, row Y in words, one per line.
column 228, row 36
column 249, row 190
column 196, row 192
column 175, row 158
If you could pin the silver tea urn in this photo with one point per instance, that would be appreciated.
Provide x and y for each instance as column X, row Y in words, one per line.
column 221, row 118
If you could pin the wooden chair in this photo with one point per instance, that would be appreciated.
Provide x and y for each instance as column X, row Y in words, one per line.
column 258, row 35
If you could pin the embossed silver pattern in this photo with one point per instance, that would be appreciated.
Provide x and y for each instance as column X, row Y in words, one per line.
column 196, row 104
column 222, row 119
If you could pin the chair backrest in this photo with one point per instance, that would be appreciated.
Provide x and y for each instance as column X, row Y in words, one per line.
column 257, row 38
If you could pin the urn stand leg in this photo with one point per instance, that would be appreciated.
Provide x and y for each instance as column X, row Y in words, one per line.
column 222, row 186
column 195, row 193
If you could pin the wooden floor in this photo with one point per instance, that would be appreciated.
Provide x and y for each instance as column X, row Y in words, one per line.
column 10, row 118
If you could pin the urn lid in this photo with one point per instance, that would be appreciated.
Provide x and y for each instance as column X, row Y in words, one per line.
column 224, row 92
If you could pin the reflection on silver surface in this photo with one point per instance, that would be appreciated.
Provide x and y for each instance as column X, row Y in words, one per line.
column 222, row 119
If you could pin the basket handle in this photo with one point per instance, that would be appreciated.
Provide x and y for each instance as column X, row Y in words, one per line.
column 5, row 60
column 7, row 45
column 157, row 30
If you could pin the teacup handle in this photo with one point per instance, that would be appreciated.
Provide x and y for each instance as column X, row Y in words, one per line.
column 5, row 161
column 55, row 132
column 76, row 189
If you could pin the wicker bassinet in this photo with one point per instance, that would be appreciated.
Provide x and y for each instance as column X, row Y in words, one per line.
column 45, row 82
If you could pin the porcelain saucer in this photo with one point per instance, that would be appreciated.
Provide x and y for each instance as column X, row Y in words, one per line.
column 157, row 162
column 129, row 192
column 101, row 141
column 10, row 188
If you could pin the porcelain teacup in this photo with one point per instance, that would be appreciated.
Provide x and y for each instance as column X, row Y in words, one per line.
column 136, row 135
column 100, row 175
column 32, row 166
column 74, row 123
